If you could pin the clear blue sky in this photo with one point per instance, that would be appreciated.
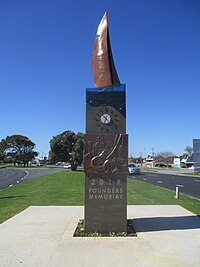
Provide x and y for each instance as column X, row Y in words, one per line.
column 45, row 68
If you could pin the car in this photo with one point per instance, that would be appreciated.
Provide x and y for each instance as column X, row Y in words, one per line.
column 160, row 165
column 134, row 169
column 67, row 166
column 60, row 163
column 183, row 165
column 191, row 168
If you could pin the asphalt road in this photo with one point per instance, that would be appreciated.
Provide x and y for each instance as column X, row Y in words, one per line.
column 10, row 176
column 189, row 185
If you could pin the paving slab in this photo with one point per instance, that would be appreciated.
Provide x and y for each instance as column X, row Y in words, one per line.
column 42, row 236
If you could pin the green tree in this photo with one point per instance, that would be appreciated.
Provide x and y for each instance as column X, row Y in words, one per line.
column 67, row 147
column 2, row 154
column 188, row 151
column 166, row 157
column 19, row 148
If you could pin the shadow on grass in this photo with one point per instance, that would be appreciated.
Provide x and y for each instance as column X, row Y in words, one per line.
column 166, row 223
column 11, row 197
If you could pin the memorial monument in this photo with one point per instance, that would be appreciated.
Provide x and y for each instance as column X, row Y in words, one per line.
column 106, row 142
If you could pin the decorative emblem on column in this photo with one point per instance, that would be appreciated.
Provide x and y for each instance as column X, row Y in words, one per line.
column 106, row 153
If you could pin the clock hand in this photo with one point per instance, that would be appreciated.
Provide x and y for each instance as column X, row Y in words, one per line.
column 105, row 117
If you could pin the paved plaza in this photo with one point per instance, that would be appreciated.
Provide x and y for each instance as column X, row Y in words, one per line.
column 43, row 237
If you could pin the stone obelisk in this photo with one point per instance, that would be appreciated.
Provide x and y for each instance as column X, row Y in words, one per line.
column 106, row 142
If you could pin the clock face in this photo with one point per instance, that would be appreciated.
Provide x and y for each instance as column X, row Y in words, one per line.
column 107, row 119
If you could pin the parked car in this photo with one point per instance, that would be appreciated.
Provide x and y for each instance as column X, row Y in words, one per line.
column 60, row 163
column 67, row 166
column 183, row 165
column 134, row 169
column 191, row 168
column 160, row 165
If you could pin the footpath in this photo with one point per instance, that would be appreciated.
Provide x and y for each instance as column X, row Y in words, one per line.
column 42, row 236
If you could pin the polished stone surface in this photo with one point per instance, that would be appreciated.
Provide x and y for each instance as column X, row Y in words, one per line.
column 105, row 202
column 105, row 160
column 105, row 102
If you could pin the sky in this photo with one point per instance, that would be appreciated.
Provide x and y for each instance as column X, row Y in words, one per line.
column 45, row 68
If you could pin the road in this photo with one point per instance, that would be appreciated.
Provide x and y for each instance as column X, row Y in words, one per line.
column 10, row 176
column 189, row 185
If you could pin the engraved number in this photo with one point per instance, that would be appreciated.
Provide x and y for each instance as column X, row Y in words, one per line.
column 101, row 181
column 118, row 181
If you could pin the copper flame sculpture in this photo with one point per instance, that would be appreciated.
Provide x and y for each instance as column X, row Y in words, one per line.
column 103, row 66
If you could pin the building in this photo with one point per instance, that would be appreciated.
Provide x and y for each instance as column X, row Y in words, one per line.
column 196, row 153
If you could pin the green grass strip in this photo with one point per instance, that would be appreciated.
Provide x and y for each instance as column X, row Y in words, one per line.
column 141, row 193
column 67, row 188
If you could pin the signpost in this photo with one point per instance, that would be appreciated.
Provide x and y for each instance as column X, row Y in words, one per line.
column 177, row 163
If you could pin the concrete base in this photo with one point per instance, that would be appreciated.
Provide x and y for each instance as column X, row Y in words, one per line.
column 43, row 236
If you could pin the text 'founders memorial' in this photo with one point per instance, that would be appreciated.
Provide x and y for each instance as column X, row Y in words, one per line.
column 106, row 142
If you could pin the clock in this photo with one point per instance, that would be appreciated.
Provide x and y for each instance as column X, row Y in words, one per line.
column 107, row 119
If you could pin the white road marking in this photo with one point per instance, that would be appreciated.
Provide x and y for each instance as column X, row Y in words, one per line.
column 17, row 182
column 180, row 185
column 144, row 179
column 22, row 179
column 153, row 175
column 27, row 173
column 10, row 185
column 197, row 180
column 159, row 182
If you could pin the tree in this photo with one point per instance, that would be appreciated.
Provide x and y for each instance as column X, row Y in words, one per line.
column 2, row 154
column 67, row 147
column 188, row 150
column 166, row 156
column 19, row 148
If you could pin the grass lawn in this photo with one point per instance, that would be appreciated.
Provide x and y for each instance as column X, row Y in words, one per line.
column 67, row 188
column 192, row 174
